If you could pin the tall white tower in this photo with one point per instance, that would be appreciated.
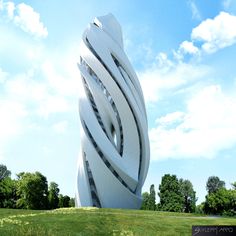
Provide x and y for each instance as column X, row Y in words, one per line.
column 114, row 157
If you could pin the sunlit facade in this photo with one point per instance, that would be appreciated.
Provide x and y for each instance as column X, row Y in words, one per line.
column 114, row 157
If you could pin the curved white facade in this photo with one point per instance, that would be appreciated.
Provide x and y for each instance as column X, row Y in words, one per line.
column 114, row 156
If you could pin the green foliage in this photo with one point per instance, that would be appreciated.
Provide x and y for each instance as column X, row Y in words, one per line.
column 221, row 202
column 7, row 188
column 200, row 208
column 175, row 195
column 53, row 192
column 8, row 195
column 72, row 202
column 152, row 198
column 4, row 172
column 64, row 201
column 188, row 195
column 32, row 189
column 94, row 221
column 234, row 185
column 149, row 199
column 145, row 202
column 170, row 195
column 214, row 184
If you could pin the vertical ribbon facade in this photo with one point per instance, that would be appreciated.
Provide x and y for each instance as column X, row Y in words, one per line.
column 114, row 157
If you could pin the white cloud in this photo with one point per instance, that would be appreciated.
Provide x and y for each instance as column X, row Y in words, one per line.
column 25, row 17
column 188, row 47
column 10, row 8
column 166, row 76
column 37, row 95
column 170, row 118
column 163, row 61
column 212, row 34
column 206, row 128
column 50, row 94
column 65, row 82
column 195, row 12
column 28, row 98
column 52, row 104
column 60, row 127
column 216, row 33
column 12, row 114
column 29, row 20
column 24, row 88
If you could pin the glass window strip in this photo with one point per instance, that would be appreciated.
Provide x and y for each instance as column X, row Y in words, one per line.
column 109, row 98
column 93, row 189
column 110, row 73
column 102, row 156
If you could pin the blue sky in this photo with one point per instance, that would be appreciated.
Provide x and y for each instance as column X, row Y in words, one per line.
column 184, row 53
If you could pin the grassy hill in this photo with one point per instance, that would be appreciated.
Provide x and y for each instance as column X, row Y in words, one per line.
column 93, row 221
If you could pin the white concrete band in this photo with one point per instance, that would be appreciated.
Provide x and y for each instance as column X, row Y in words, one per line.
column 114, row 157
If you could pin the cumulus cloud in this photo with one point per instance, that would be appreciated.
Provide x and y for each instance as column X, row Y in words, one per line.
column 31, row 98
column 211, row 34
column 42, row 98
column 26, row 99
column 25, row 17
column 203, row 130
column 65, row 81
column 29, row 20
column 188, row 47
column 165, row 76
column 216, row 33
column 12, row 114
column 170, row 118
column 10, row 8
column 205, row 124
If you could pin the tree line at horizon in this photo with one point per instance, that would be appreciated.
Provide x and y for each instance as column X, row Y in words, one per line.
column 30, row 191
column 178, row 195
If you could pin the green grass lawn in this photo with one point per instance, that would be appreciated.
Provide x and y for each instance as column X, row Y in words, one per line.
column 93, row 221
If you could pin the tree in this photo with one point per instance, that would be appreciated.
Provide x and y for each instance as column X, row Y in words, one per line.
column 232, row 203
column 7, row 188
column 200, row 208
column 234, row 185
column 32, row 189
column 222, row 202
column 217, row 202
column 4, row 172
column 53, row 198
column 170, row 195
column 145, row 202
column 152, row 198
column 189, row 196
column 214, row 184
column 8, row 195
column 64, row 201
column 72, row 202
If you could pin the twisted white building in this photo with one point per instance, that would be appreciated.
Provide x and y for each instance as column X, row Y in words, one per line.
column 114, row 156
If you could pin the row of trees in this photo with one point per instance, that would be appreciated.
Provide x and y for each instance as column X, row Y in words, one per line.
column 178, row 195
column 30, row 191
column 219, row 200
